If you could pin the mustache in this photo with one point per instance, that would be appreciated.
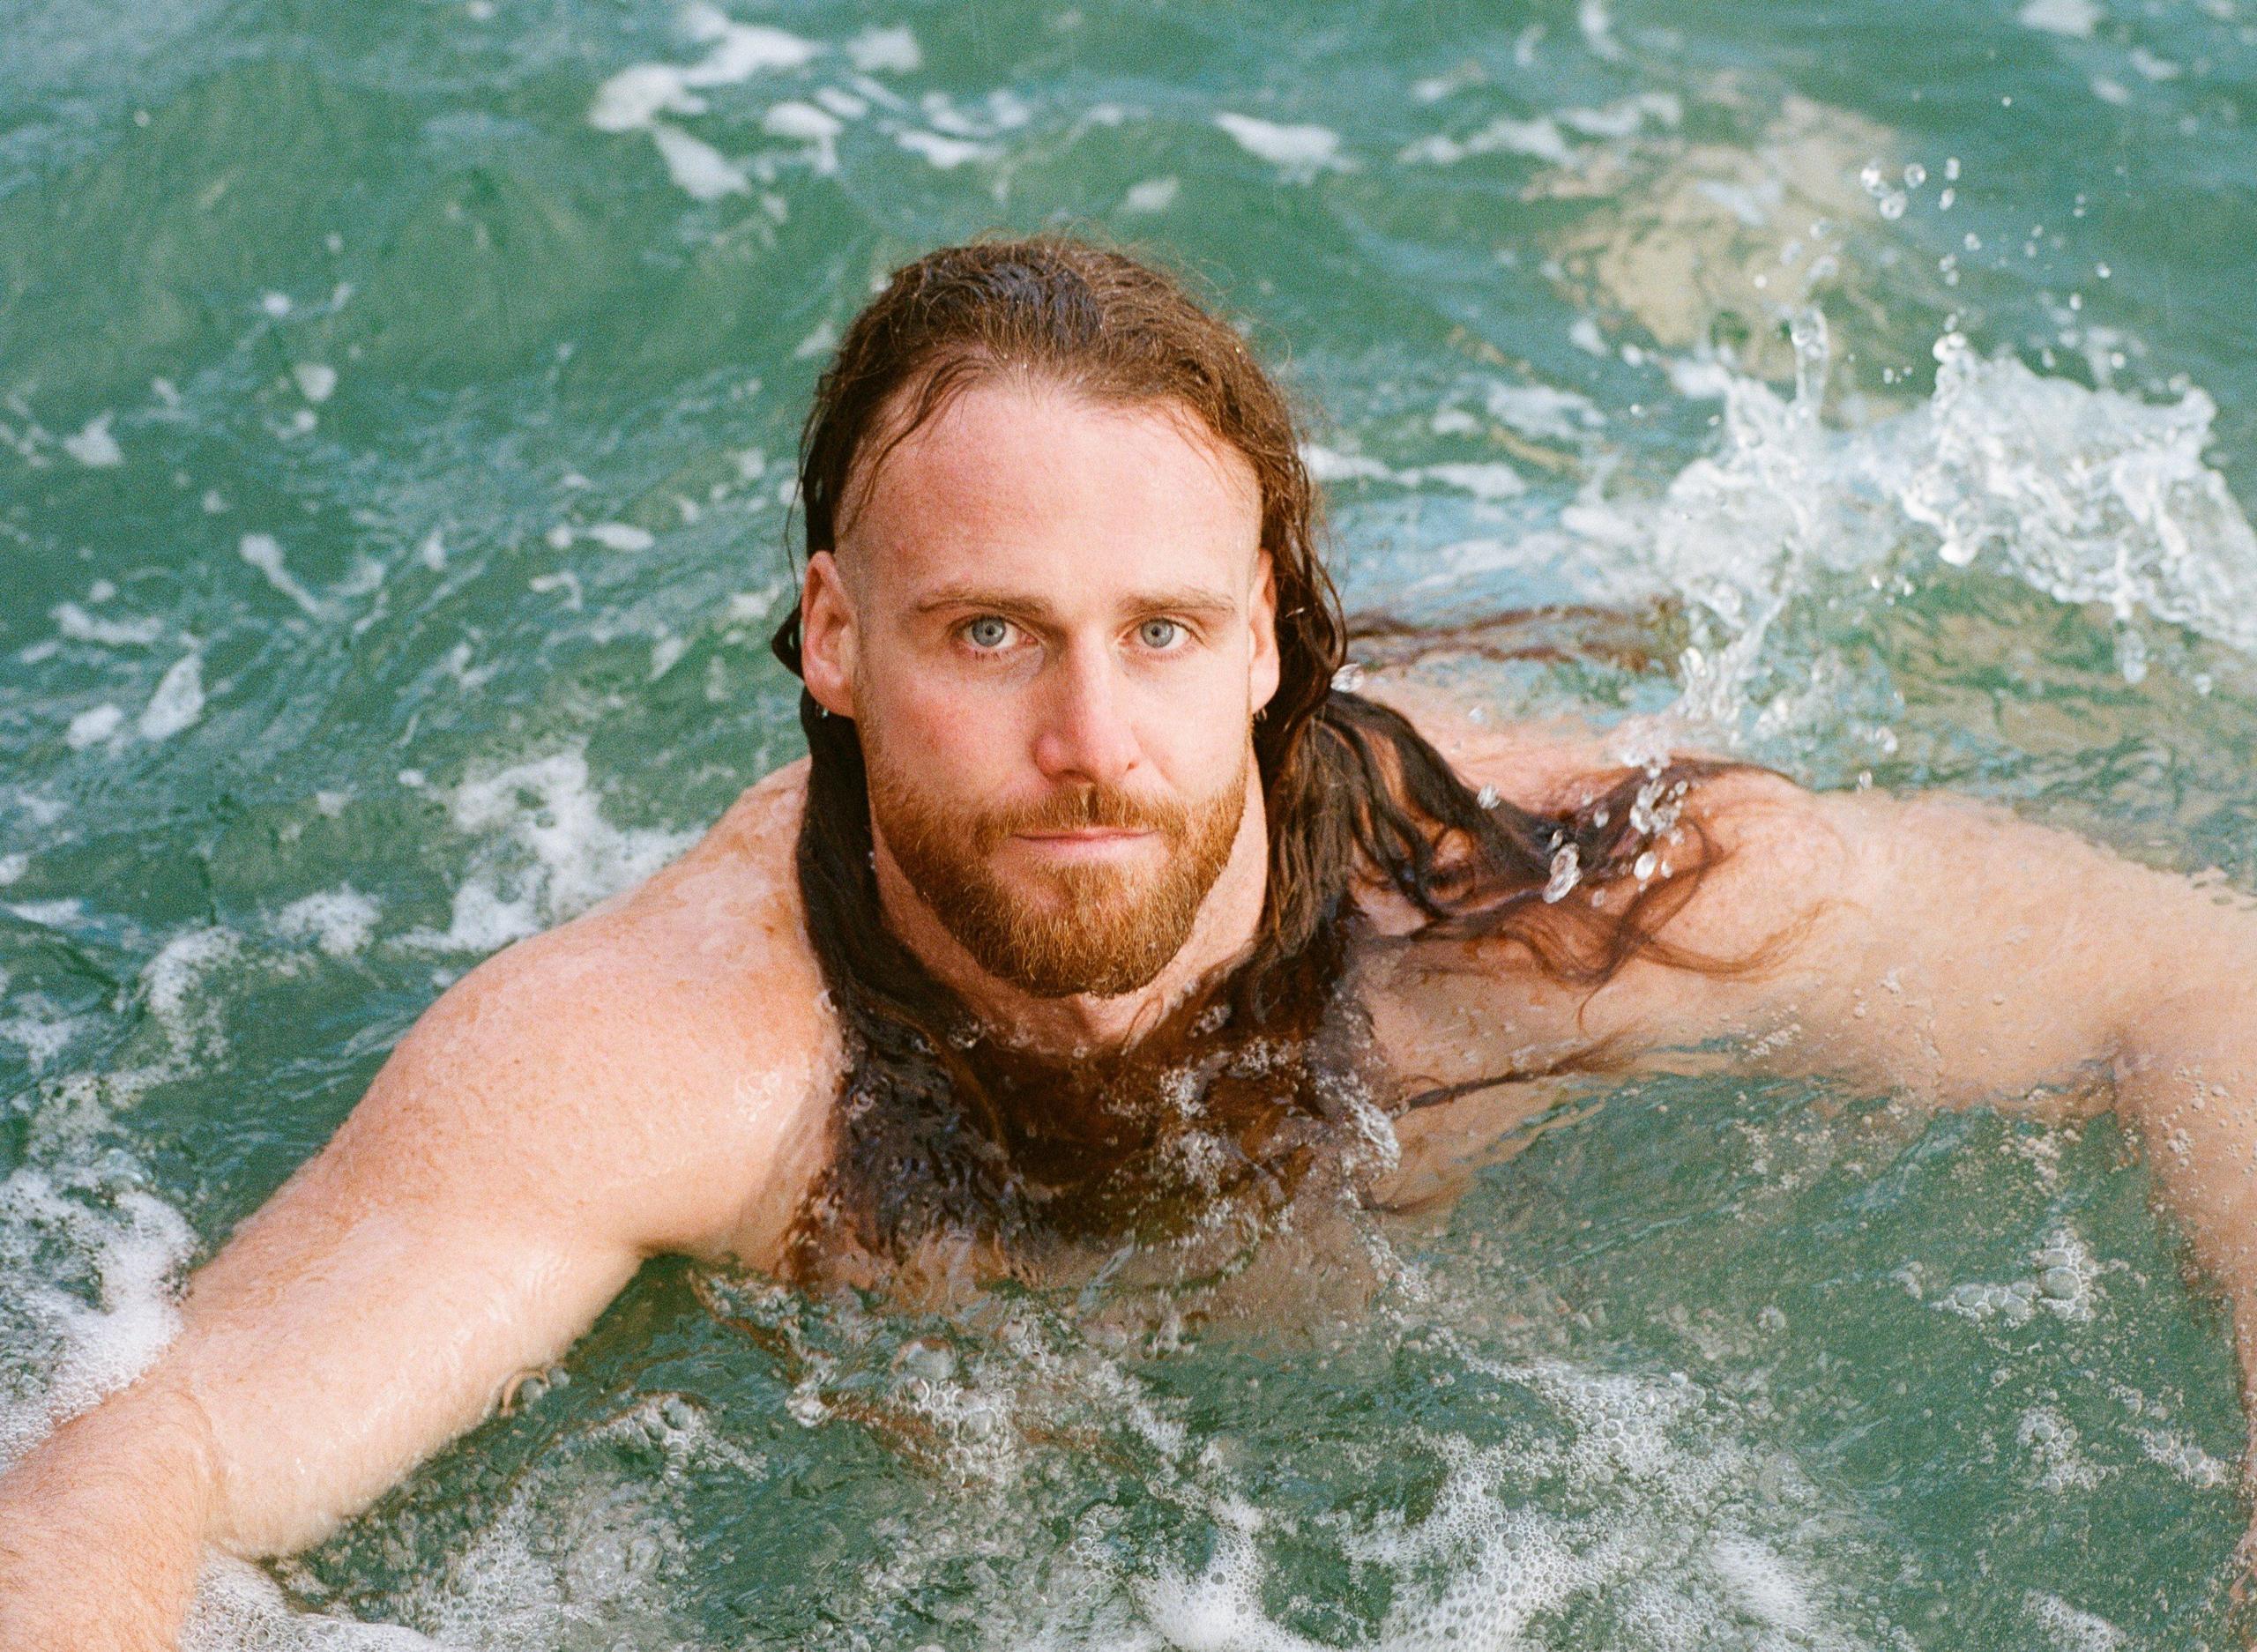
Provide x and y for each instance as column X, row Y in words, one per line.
column 1081, row 809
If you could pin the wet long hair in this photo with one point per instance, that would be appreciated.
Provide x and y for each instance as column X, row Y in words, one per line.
column 945, row 1131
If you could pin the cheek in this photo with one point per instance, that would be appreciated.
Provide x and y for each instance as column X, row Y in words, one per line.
column 1194, row 728
column 953, row 742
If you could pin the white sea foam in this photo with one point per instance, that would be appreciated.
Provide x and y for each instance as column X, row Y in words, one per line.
column 2070, row 1629
column 184, row 1023
column 1540, row 138
column 1543, row 411
column 240, row 1609
column 808, row 123
column 1488, row 479
column 94, row 446
column 698, row 169
column 55, row 915
column 620, row 536
column 61, row 1229
column 317, row 381
column 1491, row 480
column 886, row 51
column 177, row 703
column 633, row 99
column 339, row 921
column 548, row 853
column 263, row 552
column 1152, row 195
column 39, row 1028
column 944, row 151
column 2076, row 18
column 1298, row 151
column 80, row 626
column 1651, row 1528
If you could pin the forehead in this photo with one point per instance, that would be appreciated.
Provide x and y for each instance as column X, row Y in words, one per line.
column 1033, row 482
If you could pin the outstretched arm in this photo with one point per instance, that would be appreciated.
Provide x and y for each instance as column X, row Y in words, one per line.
column 535, row 1137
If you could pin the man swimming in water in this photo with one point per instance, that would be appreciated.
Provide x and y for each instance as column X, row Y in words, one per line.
column 1095, row 902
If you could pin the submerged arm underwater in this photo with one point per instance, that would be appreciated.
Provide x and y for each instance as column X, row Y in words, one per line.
column 1959, row 956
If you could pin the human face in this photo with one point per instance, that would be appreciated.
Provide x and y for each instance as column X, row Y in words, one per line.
column 1052, row 621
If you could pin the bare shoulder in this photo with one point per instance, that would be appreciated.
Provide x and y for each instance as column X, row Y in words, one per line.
column 668, row 1057
column 1537, row 764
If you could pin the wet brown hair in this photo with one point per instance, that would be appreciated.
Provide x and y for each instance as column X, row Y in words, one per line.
column 942, row 1130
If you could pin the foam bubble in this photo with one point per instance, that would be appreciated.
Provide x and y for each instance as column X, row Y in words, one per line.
column 317, row 381
column 1300, row 151
column 80, row 626
column 2076, row 18
column 339, row 921
column 64, row 1236
column 1493, row 479
column 806, row 121
column 620, row 536
column 2071, row 1629
column 176, row 704
column 1540, row 138
column 698, row 169
column 94, row 446
column 886, row 51
column 263, row 552
column 550, row 853
column 1543, row 411
column 633, row 99
column 1152, row 195
column 239, row 1609
column 39, row 1028
column 944, row 151
column 92, row 726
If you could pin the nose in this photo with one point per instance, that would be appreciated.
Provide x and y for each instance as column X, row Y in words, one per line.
column 1085, row 735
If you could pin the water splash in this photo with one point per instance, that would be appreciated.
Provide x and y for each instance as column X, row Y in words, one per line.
column 2088, row 495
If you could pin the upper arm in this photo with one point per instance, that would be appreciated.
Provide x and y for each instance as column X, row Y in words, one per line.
column 535, row 1137
column 1929, row 944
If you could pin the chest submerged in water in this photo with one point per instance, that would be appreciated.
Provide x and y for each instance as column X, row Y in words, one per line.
column 1191, row 1147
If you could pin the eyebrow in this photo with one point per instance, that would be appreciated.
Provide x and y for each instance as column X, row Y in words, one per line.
column 1195, row 599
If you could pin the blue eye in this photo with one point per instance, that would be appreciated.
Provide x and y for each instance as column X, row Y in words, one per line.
column 987, row 631
column 1157, row 633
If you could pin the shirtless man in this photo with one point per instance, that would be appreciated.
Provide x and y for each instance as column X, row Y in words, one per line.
column 1080, row 787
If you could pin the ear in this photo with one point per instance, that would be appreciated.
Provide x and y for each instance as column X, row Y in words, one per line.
column 827, row 636
column 1262, row 664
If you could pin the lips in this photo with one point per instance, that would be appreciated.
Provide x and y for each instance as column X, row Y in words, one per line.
column 1089, row 840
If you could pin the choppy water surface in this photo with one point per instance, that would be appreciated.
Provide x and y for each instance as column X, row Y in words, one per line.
column 395, row 413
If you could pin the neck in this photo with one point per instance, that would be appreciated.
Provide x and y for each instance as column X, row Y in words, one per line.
column 1224, row 928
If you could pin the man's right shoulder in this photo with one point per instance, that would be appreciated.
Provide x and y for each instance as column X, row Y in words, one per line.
column 683, row 1020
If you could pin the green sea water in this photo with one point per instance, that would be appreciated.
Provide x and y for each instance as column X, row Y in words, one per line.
column 397, row 404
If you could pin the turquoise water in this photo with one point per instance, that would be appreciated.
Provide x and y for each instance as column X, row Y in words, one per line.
column 395, row 409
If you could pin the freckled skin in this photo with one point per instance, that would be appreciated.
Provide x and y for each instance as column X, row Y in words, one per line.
column 657, row 1075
